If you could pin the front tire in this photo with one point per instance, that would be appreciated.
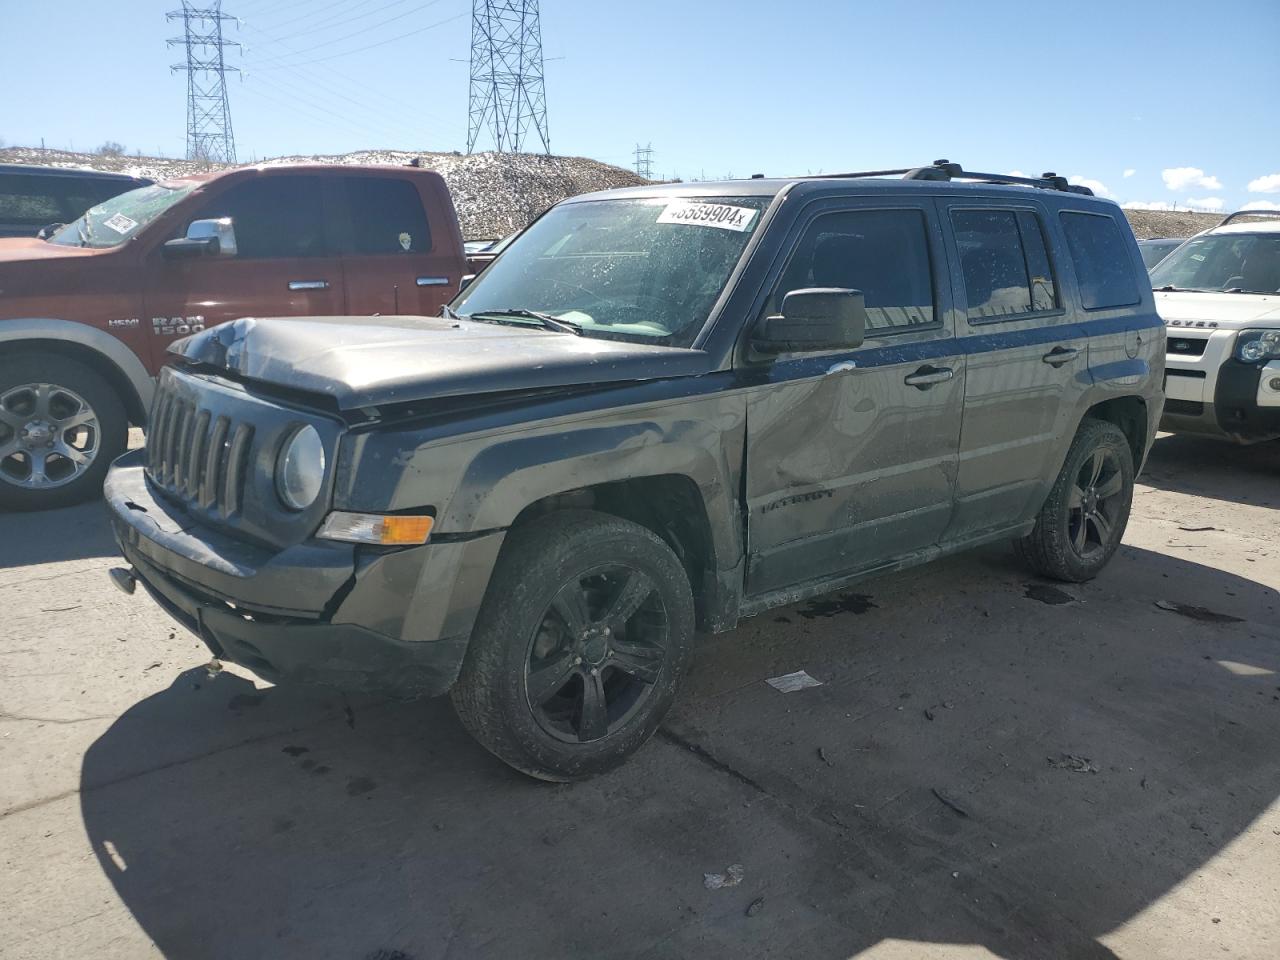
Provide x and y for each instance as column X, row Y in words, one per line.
column 586, row 630
column 1084, row 517
column 61, row 425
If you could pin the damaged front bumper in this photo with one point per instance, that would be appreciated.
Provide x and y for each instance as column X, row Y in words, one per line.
column 385, row 622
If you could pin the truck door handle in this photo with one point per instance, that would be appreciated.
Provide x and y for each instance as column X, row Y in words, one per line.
column 308, row 284
column 433, row 281
column 927, row 376
column 1060, row 355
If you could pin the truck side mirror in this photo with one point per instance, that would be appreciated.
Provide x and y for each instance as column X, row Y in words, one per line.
column 204, row 238
column 817, row 318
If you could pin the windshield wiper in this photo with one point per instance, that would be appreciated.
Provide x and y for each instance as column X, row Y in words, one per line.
column 548, row 322
column 1170, row 288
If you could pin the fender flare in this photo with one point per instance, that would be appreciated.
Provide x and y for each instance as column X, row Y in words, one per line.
column 127, row 364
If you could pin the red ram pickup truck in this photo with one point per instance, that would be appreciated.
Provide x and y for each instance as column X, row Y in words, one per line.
column 87, row 315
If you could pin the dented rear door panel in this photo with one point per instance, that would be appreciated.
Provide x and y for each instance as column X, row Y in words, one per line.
column 848, row 465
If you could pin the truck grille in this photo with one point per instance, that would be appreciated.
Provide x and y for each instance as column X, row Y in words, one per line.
column 197, row 456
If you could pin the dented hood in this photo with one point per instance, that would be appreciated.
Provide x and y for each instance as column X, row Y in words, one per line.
column 366, row 362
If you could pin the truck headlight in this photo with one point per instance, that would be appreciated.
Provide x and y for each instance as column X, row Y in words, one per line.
column 1253, row 346
column 300, row 469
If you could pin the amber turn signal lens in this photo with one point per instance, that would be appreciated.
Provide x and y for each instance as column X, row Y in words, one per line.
column 398, row 530
column 388, row 531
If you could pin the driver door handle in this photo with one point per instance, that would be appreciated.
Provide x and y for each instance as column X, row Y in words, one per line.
column 1060, row 355
column 927, row 376
column 308, row 284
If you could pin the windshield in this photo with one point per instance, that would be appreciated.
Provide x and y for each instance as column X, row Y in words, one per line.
column 647, row 270
column 1153, row 251
column 111, row 223
column 1237, row 262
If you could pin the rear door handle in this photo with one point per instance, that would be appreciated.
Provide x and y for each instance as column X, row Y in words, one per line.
column 1060, row 355
column 308, row 284
column 926, row 377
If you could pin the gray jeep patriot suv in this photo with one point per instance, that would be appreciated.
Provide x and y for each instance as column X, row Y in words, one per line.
column 660, row 410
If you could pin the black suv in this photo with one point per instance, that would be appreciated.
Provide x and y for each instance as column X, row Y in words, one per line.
column 662, row 409
column 34, row 197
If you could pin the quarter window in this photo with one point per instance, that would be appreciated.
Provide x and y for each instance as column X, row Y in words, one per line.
column 387, row 216
column 1005, row 264
column 1104, row 268
column 273, row 216
column 883, row 253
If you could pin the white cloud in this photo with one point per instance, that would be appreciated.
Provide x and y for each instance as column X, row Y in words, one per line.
column 1261, row 205
column 1148, row 205
column 1129, row 172
column 1268, row 184
column 1181, row 178
column 1097, row 186
column 1205, row 203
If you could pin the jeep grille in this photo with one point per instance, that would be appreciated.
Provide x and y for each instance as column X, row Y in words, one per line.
column 197, row 456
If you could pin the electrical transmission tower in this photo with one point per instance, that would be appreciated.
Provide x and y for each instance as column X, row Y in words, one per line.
column 507, row 92
column 209, row 135
column 644, row 161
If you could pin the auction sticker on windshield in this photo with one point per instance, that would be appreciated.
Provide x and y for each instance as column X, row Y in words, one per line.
column 120, row 223
column 719, row 215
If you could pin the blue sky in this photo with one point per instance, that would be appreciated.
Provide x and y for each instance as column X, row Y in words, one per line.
column 1161, row 102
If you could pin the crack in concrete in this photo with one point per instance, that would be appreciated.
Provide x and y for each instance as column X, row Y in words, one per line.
column 715, row 763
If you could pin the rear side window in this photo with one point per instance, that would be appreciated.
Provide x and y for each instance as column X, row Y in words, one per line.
column 273, row 217
column 883, row 253
column 1005, row 264
column 29, row 201
column 386, row 216
column 1101, row 256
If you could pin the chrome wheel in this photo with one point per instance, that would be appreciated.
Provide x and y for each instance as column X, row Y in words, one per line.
column 49, row 436
column 1095, row 503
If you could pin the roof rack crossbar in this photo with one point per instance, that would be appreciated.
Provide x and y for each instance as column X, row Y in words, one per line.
column 1248, row 213
column 943, row 170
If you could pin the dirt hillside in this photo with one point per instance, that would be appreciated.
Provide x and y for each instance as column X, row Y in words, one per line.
column 497, row 193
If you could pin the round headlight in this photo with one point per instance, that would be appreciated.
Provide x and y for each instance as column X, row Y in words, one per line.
column 1253, row 351
column 300, row 469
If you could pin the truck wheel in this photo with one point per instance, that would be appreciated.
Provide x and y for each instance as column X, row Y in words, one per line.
column 61, row 425
column 1084, row 517
column 586, row 630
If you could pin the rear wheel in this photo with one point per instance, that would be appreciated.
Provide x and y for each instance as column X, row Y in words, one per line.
column 61, row 425
column 586, row 630
column 1085, row 514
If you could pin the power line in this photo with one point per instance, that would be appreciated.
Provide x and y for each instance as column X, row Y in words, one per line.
column 312, row 77
column 508, row 93
column 356, row 33
column 209, row 133
column 371, row 46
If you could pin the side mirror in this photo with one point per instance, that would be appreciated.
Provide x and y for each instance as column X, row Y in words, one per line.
column 204, row 238
column 465, row 282
column 819, row 318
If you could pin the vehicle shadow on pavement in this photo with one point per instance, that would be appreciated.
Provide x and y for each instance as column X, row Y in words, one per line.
column 1216, row 469
column 53, row 536
column 979, row 768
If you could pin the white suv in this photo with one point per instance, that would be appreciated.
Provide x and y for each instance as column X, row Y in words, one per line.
column 1219, row 295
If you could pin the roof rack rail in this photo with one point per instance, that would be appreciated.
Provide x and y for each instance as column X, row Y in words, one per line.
column 1248, row 213
column 943, row 170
